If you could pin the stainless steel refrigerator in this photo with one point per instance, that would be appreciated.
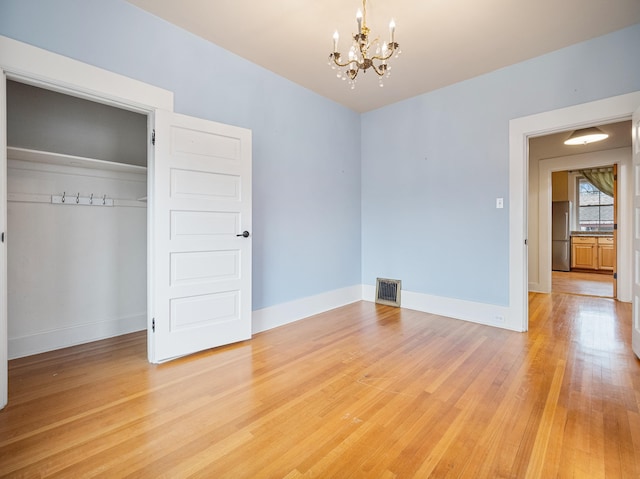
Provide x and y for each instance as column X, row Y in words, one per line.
column 560, row 236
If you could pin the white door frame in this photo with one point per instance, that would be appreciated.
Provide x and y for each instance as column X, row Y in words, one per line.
column 619, row 156
column 38, row 67
column 635, row 248
column 608, row 110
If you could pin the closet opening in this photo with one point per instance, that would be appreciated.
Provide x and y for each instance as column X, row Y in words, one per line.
column 77, row 220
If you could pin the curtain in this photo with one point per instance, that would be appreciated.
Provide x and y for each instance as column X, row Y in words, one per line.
column 601, row 178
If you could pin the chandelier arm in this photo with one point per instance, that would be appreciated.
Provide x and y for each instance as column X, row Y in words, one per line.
column 341, row 64
column 378, row 72
column 382, row 59
column 333, row 56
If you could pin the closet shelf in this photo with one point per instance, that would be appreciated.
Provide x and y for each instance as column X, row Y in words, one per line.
column 50, row 158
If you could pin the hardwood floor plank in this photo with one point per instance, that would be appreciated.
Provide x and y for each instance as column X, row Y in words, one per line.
column 540, row 447
column 360, row 391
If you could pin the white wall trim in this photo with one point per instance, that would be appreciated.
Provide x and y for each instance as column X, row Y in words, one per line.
column 73, row 335
column 39, row 67
column 482, row 313
column 520, row 130
column 285, row 313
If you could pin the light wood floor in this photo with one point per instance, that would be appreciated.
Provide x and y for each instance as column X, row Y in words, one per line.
column 590, row 284
column 361, row 391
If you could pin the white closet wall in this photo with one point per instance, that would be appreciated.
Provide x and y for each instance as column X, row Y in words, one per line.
column 76, row 273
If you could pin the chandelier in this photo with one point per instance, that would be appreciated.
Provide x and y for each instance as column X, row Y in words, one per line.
column 359, row 57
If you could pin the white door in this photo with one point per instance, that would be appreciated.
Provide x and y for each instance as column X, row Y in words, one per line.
column 200, row 261
column 635, row 313
column 4, row 373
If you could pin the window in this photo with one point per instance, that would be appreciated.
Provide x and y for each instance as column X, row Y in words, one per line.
column 595, row 208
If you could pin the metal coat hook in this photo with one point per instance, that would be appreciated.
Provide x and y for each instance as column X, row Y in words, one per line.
column 63, row 196
column 91, row 199
column 104, row 200
column 78, row 198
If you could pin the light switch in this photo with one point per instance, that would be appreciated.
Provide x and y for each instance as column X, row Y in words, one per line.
column 499, row 202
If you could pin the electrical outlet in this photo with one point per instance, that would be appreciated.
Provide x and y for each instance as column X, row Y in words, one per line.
column 499, row 202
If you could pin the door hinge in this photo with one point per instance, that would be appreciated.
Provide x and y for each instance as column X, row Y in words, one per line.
column 615, row 226
column 615, row 275
column 2, row 240
column 153, row 325
column 153, row 137
column 525, row 242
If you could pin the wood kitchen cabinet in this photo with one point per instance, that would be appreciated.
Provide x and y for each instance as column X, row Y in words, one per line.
column 584, row 252
column 606, row 256
column 592, row 252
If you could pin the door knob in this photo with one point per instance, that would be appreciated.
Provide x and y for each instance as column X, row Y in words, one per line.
column 244, row 233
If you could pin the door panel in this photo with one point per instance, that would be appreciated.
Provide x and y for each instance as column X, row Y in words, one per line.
column 4, row 386
column 607, row 256
column 636, row 233
column 201, row 205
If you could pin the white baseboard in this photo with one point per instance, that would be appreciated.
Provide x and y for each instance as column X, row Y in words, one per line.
column 281, row 314
column 482, row 313
column 268, row 318
column 535, row 287
column 70, row 336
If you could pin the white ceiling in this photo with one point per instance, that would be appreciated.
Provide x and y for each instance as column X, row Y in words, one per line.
column 552, row 146
column 443, row 41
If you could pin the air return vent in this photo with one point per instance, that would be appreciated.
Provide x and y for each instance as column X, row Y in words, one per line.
column 388, row 291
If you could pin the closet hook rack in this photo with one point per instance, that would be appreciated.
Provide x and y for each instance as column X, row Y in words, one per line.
column 81, row 200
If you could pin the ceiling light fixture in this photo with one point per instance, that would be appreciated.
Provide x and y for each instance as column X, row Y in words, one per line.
column 358, row 57
column 586, row 135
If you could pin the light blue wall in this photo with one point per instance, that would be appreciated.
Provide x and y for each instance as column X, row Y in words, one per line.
column 433, row 166
column 419, row 189
column 306, row 165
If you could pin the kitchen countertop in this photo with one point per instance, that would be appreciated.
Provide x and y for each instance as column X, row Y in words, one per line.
column 605, row 234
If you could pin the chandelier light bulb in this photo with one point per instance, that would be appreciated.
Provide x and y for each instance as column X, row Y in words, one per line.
column 359, row 20
column 392, row 29
column 336, row 37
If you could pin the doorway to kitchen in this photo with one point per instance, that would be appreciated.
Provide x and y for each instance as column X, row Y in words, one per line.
column 573, row 220
column 583, row 237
